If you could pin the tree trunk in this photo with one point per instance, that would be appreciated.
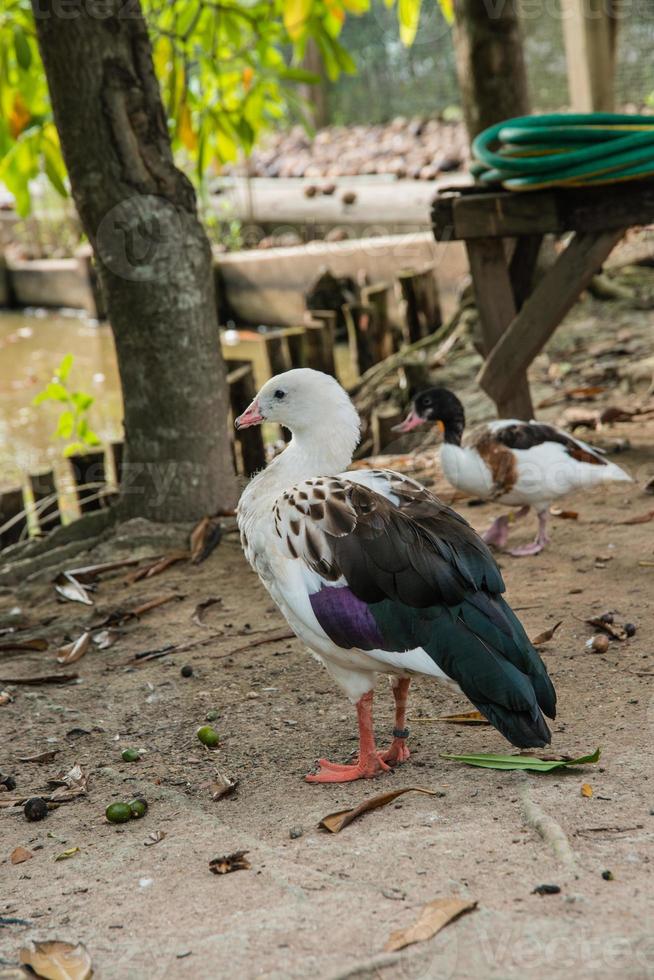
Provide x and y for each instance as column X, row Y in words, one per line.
column 153, row 256
column 490, row 62
column 316, row 95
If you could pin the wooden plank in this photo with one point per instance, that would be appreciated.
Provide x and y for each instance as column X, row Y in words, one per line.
column 384, row 338
column 117, row 453
column 422, row 302
column 11, row 506
column 320, row 346
column 496, row 305
column 383, row 420
column 279, row 358
column 44, row 489
column 523, row 266
column 506, row 214
column 297, row 349
column 543, row 311
column 90, row 477
column 589, row 50
column 242, row 390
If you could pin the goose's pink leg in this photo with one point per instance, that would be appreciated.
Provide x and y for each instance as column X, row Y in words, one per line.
column 368, row 764
column 399, row 751
column 497, row 534
column 541, row 539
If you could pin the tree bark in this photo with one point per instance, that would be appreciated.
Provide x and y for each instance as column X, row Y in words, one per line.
column 490, row 62
column 153, row 256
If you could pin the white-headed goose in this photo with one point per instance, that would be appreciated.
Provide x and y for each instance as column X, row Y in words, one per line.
column 376, row 575
column 530, row 464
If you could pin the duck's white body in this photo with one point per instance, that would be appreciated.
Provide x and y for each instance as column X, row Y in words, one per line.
column 539, row 475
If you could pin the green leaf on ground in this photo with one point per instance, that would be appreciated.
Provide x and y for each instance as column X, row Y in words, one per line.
column 529, row 763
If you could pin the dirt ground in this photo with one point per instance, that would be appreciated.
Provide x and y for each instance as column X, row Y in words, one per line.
column 315, row 904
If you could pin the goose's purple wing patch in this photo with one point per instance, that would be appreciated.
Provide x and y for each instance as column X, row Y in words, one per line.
column 347, row 621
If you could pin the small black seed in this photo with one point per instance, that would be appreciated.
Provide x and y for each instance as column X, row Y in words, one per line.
column 607, row 875
column 295, row 832
column 35, row 809
column 7, row 781
column 607, row 618
column 187, row 671
column 546, row 890
column 630, row 629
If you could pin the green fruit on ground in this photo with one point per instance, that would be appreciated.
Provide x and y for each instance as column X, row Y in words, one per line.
column 208, row 736
column 118, row 812
column 130, row 755
column 139, row 807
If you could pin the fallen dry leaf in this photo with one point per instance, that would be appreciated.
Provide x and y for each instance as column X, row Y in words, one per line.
column 104, row 639
column 230, row 862
column 67, row 854
column 56, row 960
column 640, row 519
column 222, row 785
column 335, row 822
column 201, row 608
column 20, row 854
column 47, row 756
column 434, row 917
column 586, row 790
column 462, row 718
column 205, row 536
column 565, row 515
column 546, row 635
column 73, row 779
column 154, row 837
column 72, row 652
column 67, row 586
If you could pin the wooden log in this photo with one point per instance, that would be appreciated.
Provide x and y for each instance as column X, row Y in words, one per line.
column 279, row 358
column 12, row 505
column 385, row 340
column 242, row 390
column 296, row 341
column 44, row 489
column 496, row 305
column 117, row 452
column 588, row 34
column 383, row 419
column 542, row 312
column 330, row 317
column 90, row 478
column 523, row 266
column 319, row 347
column 421, row 302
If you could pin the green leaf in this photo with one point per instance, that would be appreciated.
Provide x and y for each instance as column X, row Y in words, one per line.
column 64, row 368
column 487, row 760
column 81, row 401
column 65, row 425
column 53, row 392
column 54, row 167
column 300, row 75
column 74, row 449
column 408, row 12
column 296, row 17
column 22, row 48
column 447, row 6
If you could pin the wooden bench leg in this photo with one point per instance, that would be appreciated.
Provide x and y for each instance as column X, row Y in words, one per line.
column 497, row 309
column 542, row 312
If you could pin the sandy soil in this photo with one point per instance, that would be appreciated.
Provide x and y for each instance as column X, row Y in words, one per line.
column 315, row 904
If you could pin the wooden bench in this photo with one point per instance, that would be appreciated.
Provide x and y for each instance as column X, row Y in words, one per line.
column 503, row 232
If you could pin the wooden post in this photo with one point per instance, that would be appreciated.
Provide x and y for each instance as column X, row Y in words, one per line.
column 43, row 486
column 11, row 505
column 296, row 342
column 384, row 341
column 319, row 347
column 279, row 358
column 383, row 419
column 89, row 468
column 589, row 37
column 421, row 302
column 496, row 305
column 117, row 451
column 242, row 390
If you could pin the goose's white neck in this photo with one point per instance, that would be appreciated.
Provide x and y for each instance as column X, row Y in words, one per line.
column 322, row 452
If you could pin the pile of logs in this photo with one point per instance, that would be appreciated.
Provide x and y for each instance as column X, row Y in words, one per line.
column 417, row 148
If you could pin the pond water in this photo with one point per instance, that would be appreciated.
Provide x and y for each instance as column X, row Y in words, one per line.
column 32, row 344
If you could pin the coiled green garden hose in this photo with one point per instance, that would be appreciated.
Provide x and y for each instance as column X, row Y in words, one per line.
column 565, row 150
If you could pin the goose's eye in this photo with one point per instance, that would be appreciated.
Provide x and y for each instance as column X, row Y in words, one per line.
column 280, row 394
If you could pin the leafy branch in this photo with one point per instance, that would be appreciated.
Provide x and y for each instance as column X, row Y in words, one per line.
column 72, row 424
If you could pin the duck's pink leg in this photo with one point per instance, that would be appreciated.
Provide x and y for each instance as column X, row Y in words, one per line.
column 541, row 539
column 498, row 532
column 368, row 764
column 399, row 752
